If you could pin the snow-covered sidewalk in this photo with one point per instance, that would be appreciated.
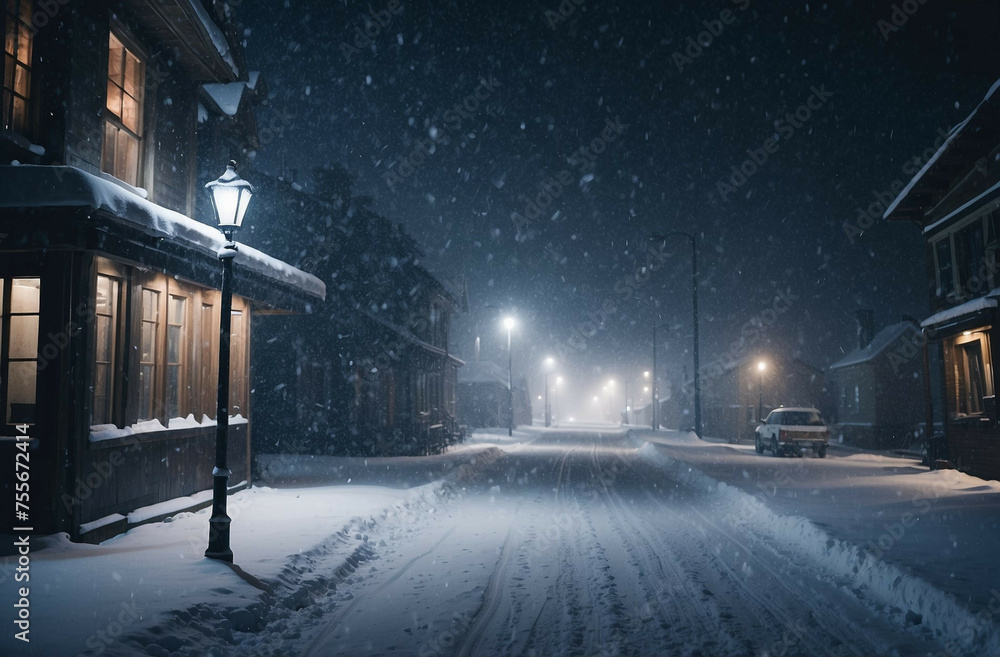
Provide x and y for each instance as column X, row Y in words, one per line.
column 154, row 583
column 939, row 526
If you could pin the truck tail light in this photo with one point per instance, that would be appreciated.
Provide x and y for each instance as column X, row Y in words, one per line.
column 782, row 434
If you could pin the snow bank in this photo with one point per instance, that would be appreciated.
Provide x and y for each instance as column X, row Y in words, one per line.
column 882, row 581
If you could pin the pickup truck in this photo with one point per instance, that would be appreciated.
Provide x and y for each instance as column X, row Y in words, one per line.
column 790, row 430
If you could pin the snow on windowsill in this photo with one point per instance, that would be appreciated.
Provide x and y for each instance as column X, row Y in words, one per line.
column 102, row 432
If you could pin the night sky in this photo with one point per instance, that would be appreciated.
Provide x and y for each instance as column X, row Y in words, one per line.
column 549, row 84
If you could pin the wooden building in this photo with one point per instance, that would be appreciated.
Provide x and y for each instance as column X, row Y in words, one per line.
column 731, row 394
column 109, row 312
column 879, row 389
column 955, row 200
column 373, row 372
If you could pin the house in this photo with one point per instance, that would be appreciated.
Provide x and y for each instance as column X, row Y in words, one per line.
column 735, row 395
column 955, row 200
column 108, row 287
column 879, row 387
column 483, row 400
column 373, row 372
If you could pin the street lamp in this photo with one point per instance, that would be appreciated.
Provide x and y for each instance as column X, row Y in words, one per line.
column 548, row 409
column 627, row 381
column 761, row 366
column 230, row 199
column 555, row 396
column 694, row 305
column 508, row 324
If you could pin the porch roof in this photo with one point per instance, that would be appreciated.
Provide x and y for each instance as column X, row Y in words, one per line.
column 962, row 312
column 41, row 187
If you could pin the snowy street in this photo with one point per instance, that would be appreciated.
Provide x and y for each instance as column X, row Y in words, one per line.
column 590, row 541
column 582, row 543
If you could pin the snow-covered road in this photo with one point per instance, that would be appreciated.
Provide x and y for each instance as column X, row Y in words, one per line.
column 581, row 544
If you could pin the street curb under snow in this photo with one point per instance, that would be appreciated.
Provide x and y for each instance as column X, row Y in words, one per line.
column 306, row 577
column 906, row 596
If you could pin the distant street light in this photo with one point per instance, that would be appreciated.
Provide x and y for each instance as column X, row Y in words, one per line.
column 761, row 366
column 230, row 199
column 508, row 324
column 555, row 395
column 694, row 303
column 548, row 409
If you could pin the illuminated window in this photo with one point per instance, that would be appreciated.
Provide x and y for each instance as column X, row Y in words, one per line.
column 17, row 65
column 21, row 297
column 176, row 355
column 148, row 336
column 123, row 122
column 105, row 363
column 970, row 355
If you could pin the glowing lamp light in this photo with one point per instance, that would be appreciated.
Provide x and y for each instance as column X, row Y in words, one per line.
column 230, row 199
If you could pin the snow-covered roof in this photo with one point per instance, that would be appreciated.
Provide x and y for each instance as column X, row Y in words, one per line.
column 69, row 187
column 215, row 34
column 968, row 308
column 882, row 341
column 226, row 95
column 940, row 151
column 482, row 372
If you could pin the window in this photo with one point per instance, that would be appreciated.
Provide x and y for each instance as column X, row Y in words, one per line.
column 21, row 297
column 148, row 336
column 176, row 356
column 857, row 398
column 971, row 248
column 106, row 366
column 17, row 65
column 123, row 123
column 208, row 335
column 238, row 381
column 972, row 381
column 946, row 279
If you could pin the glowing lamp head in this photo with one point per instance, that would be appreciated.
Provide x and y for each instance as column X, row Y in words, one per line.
column 508, row 323
column 230, row 199
column 761, row 366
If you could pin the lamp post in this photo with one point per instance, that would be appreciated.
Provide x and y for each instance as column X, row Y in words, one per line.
column 555, row 396
column 627, row 381
column 761, row 366
column 548, row 410
column 694, row 305
column 508, row 323
column 230, row 199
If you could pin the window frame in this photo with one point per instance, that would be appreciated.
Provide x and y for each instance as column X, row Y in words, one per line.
column 131, row 46
column 6, row 314
column 8, row 106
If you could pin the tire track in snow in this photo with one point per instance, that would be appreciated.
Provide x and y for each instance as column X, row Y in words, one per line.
column 843, row 620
